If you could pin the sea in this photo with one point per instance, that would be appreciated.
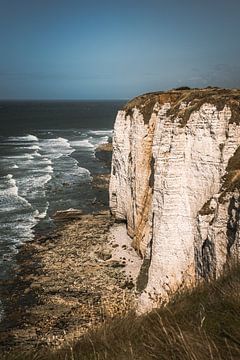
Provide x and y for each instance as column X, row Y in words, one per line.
column 47, row 162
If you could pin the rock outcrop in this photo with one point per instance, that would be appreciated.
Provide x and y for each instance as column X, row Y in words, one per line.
column 175, row 180
column 104, row 153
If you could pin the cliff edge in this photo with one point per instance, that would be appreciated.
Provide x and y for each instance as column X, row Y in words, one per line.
column 175, row 180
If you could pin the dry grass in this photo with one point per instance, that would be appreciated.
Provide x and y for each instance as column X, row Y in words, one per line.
column 201, row 324
column 194, row 98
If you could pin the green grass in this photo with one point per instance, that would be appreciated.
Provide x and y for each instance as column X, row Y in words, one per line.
column 200, row 324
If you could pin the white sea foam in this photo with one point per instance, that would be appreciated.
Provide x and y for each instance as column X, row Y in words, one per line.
column 20, row 157
column 36, row 154
column 101, row 132
column 103, row 140
column 30, row 184
column 24, row 229
column 31, row 147
column 9, row 201
column 59, row 142
column 82, row 171
column 27, row 138
column 8, row 177
column 9, row 197
column 48, row 169
column 10, row 186
column 46, row 160
column 82, row 143
column 66, row 170
column 41, row 215
column 91, row 142
column 41, row 168
column 80, row 174
column 55, row 148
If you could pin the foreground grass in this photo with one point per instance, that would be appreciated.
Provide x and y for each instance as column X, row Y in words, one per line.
column 201, row 324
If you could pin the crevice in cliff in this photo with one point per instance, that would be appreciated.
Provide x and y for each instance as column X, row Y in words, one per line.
column 141, row 236
column 208, row 260
column 131, row 180
column 233, row 222
column 151, row 177
column 131, row 177
column 205, row 254
column 142, row 279
column 205, row 260
column 207, row 209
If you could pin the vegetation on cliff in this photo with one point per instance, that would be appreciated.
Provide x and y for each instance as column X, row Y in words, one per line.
column 201, row 324
column 194, row 99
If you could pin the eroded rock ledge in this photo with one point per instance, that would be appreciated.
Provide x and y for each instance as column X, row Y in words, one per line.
column 175, row 180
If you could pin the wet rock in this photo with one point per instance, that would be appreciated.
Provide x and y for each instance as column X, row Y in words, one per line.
column 104, row 153
column 64, row 215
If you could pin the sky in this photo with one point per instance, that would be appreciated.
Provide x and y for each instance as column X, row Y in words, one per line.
column 74, row 49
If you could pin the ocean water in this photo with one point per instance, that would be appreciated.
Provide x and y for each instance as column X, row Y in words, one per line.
column 47, row 162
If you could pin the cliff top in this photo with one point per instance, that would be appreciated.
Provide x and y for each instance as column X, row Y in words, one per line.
column 194, row 99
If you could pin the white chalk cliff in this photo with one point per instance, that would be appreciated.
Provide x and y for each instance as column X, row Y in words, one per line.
column 175, row 180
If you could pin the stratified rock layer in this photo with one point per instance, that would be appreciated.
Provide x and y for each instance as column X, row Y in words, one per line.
column 175, row 181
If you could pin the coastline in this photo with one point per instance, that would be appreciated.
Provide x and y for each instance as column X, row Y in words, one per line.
column 70, row 279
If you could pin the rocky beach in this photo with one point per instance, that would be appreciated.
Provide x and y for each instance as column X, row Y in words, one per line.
column 70, row 279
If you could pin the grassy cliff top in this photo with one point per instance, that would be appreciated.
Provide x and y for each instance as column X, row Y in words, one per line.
column 194, row 98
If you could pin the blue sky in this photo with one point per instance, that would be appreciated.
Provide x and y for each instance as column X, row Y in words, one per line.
column 69, row 49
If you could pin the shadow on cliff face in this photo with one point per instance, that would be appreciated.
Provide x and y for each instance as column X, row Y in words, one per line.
column 233, row 222
column 208, row 260
column 201, row 324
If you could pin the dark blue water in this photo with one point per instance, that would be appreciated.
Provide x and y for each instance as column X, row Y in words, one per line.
column 47, row 162
column 24, row 116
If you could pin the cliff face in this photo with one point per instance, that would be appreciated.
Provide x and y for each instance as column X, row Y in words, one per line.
column 175, row 181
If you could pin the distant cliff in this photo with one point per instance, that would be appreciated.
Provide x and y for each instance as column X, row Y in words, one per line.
column 175, row 180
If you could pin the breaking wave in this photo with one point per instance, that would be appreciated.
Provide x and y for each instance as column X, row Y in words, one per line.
column 27, row 138
column 82, row 143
